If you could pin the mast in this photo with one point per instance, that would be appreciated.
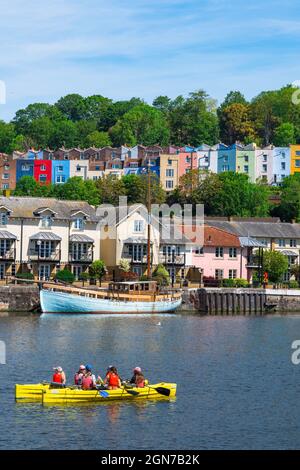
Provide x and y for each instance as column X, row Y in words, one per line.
column 149, row 223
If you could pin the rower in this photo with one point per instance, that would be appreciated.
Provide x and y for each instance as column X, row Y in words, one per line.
column 89, row 379
column 59, row 377
column 112, row 379
column 79, row 375
column 138, row 378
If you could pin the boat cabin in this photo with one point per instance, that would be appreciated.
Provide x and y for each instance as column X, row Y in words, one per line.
column 142, row 286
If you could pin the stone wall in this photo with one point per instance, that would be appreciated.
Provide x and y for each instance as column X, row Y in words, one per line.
column 19, row 298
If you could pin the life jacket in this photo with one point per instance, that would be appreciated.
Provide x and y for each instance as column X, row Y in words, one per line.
column 113, row 379
column 87, row 382
column 57, row 378
column 140, row 381
column 78, row 378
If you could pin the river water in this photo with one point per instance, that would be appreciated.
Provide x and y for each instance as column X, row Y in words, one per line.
column 237, row 386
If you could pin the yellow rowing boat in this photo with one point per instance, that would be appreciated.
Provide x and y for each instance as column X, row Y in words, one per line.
column 68, row 395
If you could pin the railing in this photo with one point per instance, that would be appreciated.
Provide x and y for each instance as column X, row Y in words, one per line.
column 8, row 254
column 136, row 259
column 172, row 259
column 44, row 255
column 253, row 262
column 81, row 257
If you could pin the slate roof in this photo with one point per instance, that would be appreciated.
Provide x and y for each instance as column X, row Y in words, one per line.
column 27, row 207
column 257, row 229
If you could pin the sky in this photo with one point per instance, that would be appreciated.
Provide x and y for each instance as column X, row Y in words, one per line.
column 141, row 48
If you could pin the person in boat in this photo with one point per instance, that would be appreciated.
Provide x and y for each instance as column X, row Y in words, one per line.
column 112, row 379
column 89, row 379
column 79, row 375
column 138, row 378
column 59, row 377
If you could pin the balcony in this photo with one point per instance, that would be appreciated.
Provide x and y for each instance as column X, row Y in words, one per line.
column 44, row 255
column 81, row 257
column 253, row 262
column 170, row 259
column 8, row 255
column 142, row 259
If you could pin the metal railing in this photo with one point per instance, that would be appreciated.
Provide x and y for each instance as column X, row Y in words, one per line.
column 8, row 254
column 81, row 257
column 44, row 255
column 172, row 259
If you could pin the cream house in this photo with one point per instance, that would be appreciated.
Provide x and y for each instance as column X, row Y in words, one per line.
column 43, row 235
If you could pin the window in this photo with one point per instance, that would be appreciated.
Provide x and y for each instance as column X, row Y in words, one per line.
column 225, row 168
column 246, row 158
column 79, row 223
column 6, row 167
column 170, row 172
column 60, row 179
column 3, row 218
column 60, row 168
column 246, row 168
column 265, row 168
column 25, row 167
column 232, row 252
column 232, row 273
column 43, row 168
column 78, row 168
column 187, row 159
column 219, row 252
column 42, row 178
column 282, row 154
column 81, row 156
column 283, row 165
column 46, row 221
column 138, row 225
column 66, row 156
column 5, row 176
column 281, row 242
column 169, row 184
column 297, row 153
column 265, row 158
column 225, row 159
column 5, row 186
column 199, row 251
column 169, row 162
column 97, row 168
column 297, row 163
column 219, row 273
column 293, row 243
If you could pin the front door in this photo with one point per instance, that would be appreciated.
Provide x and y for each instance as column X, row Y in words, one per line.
column 77, row 270
column 44, row 272
column 2, row 270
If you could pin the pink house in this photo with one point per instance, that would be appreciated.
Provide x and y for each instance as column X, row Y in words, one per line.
column 187, row 162
column 223, row 254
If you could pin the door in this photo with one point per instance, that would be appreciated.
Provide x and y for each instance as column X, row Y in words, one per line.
column 77, row 270
column 2, row 270
column 44, row 272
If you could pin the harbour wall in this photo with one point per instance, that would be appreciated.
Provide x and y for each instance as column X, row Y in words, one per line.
column 19, row 298
column 225, row 301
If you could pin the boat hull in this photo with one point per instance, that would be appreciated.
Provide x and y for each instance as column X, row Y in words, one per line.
column 68, row 396
column 61, row 302
column 30, row 392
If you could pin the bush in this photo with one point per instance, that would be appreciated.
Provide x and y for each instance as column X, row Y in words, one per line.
column 293, row 285
column 65, row 276
column 84, row 277
column 161, row 275
column 228, row 283
column 239, row 282
column 26, row 276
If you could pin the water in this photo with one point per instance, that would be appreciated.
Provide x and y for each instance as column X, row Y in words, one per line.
column 237, row 387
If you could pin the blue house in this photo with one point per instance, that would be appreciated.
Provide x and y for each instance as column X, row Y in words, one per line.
column 24, row 168
column 226, row 157
column 60, row 171
column 281, row 164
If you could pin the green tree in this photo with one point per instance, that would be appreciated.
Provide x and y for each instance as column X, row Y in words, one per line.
column 98, row 270
column 284, row 135
column 161, row 275
column 72, row 106
column 24, row 117
column 233, row 97
column 275, row 264
column 162, row 103
column 235, row 124
column 110, row 189
column 98, row 139
column 77, row 189
column 65, row 275
column 143, row 124
column 136, row 188
column 289, row 207
column 7, row 136
column 27, row 186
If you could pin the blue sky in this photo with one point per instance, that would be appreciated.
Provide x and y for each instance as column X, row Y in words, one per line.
column 142, row 48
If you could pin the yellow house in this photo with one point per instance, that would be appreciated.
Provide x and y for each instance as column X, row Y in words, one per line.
column 295, row 158
column 169, row 171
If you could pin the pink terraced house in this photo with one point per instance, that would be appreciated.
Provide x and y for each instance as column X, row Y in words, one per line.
column 187, row 162
column 223, row 254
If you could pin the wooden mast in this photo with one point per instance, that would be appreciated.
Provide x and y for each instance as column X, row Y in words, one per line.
column 149, row 224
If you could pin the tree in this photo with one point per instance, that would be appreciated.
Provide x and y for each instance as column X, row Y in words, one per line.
column 24, row 117
column 284, row 135
column 28, row 186
column 162, row 103
column 141, row 125
column 275, row 264
column 125, row 267
column 233, row 97
column 72, row 106
column 77, row 189
column 289, row 207
column 98, row 139
column 235, row 124
column 98, row 269
column 136, row 189
column 64, row 133
column 65, row 275
column 161, row 275
column 7, row 135
column 110, row 189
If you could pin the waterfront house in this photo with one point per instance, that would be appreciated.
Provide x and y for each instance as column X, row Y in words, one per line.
column 43, row 235
column 281, row 159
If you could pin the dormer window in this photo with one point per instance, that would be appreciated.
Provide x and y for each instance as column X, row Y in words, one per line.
column 46, row 221
column 79, row 223
column 43, row 167
column 3, row 218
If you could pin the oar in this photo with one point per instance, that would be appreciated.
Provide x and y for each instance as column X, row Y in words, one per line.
column 103, row 393
column 132, row 392
column 161, row 390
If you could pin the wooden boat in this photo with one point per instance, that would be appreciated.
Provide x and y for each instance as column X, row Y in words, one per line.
column 46, row 394
column 67, row 396
column 120, row 297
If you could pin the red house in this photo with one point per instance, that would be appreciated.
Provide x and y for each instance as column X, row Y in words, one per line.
column 42, row 171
